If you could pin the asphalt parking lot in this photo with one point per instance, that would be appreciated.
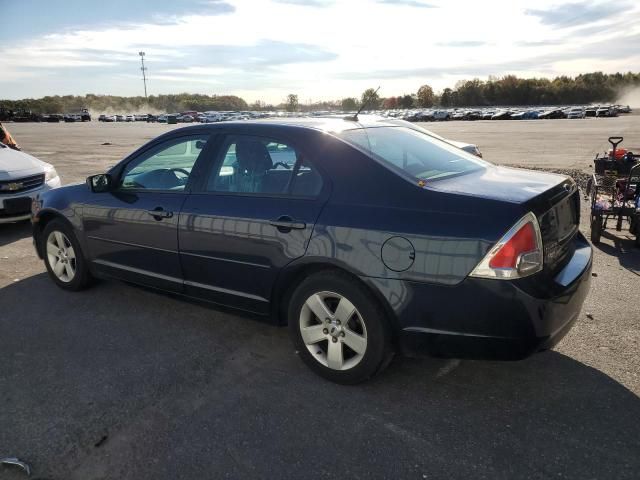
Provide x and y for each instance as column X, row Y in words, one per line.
column 119, row 382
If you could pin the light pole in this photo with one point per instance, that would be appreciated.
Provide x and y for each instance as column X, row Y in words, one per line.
column 144, row 73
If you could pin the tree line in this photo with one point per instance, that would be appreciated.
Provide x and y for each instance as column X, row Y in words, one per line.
column 509, row 90
column 117, row 104
column 504, row 91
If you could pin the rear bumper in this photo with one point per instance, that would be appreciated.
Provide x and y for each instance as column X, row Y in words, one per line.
column 493, row 319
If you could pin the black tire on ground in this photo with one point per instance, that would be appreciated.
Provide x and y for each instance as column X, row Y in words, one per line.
column 82, row 278
column 378, row 352
column 596, row 228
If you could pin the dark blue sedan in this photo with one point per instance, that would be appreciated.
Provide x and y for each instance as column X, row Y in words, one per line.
column 367, row 237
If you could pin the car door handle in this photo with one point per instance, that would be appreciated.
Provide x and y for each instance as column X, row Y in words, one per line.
column 285, row 224
column 159, row 213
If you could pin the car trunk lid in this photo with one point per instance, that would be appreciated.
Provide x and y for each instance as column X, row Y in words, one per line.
column 553, row 198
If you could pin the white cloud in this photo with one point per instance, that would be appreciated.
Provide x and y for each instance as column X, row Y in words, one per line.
column 333, row 50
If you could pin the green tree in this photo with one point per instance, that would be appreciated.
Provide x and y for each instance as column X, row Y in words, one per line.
column 349, row 104
column 370, row 99
column 426, row 98
column 292, row 103
column 471, row 92
column 446, row 98
column 405, row 101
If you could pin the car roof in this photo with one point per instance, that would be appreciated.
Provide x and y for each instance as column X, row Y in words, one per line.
column 326, row 124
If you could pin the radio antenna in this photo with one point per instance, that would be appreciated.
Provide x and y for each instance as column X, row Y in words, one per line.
column 362, row 107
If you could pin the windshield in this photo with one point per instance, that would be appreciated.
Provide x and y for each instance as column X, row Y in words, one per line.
column 412, row 152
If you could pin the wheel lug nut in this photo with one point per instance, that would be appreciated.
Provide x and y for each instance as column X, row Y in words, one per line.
column 334, row 339
column 325, row 331
column 342, row 334
column 337, row 322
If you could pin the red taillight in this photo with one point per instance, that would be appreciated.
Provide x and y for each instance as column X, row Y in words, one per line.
column 517, row 254
column 523, row 241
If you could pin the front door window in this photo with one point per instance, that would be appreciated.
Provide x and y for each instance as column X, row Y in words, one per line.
column 166, row 167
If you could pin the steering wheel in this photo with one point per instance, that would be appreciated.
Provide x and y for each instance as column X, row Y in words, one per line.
column 175, row 172
column 180, row 170
column 286, row 166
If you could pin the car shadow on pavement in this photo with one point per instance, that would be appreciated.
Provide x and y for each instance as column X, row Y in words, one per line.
column 119, row 382
column 623, row 249
column 12, row 232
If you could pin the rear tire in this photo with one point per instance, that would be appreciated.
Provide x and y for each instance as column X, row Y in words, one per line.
column 339, row 328
column 64, row 258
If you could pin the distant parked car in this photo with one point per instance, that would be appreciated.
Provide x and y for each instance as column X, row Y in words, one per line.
column 102, row 118
column 501, row 115
column 440, row 115
column 473, row 115
column 22, row 177
column 552, row 114
column 120, row 118
column 606, row 112
column 364, row 237
column 575, row 112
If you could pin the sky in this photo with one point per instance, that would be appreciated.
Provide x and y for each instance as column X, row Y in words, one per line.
column 318, row 49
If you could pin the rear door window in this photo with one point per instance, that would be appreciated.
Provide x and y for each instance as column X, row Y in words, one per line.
column 262, row 166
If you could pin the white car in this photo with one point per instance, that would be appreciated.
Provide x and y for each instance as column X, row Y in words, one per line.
column 22, row 177
column 575, row 112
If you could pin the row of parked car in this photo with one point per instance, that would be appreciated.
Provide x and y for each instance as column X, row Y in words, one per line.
column 426, row 115
column 82, row 116
column 414, row 115
column 192, row 117
column 122, row 118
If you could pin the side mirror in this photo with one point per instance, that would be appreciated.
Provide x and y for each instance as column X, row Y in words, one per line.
column 100, row 183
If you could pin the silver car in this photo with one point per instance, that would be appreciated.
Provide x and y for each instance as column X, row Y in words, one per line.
column 22, row 177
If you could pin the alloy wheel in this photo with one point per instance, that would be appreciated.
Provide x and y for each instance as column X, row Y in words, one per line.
column 61, row 256
column 333, row 330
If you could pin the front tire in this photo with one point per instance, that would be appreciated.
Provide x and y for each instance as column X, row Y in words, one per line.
column 339, row 328
column 63, row 257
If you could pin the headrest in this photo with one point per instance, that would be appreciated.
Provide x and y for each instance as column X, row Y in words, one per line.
column 253, row 156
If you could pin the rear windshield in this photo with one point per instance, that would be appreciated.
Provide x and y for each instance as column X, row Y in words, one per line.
column 413, row 153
